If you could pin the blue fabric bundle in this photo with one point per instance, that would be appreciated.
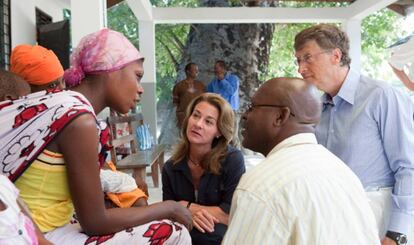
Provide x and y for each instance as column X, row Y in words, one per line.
column 144, row 137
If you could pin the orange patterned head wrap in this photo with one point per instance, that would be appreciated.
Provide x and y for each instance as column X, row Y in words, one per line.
column 36, row 64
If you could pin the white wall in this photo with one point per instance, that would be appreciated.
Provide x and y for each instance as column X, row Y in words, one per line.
column 23, row 18
column 87, row 16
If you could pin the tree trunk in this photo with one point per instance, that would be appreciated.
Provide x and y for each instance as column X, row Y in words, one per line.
column 244, row 47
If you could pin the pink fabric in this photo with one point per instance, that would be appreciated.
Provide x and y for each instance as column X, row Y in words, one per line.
column 103, row 51
column 31, row 233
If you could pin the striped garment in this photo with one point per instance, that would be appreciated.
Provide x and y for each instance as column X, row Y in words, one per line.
column 301, row 194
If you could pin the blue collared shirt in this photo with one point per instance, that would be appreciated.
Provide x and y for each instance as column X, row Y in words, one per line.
column 228, row 88
column 370, row 126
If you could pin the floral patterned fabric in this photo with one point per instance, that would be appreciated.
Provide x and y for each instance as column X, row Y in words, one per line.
column 30, row 123
column 159, row 232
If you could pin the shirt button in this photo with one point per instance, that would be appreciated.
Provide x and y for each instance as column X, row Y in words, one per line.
column 20, row 232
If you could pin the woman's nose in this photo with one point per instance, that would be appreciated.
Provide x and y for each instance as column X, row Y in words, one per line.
column 140, row 89
column 199, row 122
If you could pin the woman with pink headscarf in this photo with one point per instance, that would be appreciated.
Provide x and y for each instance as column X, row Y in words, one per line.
column 53, row 147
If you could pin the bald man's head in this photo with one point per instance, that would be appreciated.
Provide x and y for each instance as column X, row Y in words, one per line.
column 281, row 107
column 300, row 97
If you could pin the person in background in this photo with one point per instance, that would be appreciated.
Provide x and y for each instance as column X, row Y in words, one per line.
column 12, row 86
column 52, row 150
column 185, row 91
column 227, row 85
column 38, row 66
column 402, row 58
column 301, row 193
column 204, row 170
column 367, row 123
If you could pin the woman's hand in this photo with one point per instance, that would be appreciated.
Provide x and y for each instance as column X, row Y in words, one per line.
column 204, row 221
column 181, row 214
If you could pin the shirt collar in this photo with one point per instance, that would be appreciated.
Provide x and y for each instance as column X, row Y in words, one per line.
column 297, row 139
column 181, row 165
column 347, row 91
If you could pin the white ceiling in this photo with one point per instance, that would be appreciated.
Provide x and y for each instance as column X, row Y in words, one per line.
column 144, row 11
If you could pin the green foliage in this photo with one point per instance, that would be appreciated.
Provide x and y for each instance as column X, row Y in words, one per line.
column 304, row 4
column 122, row 19
column 379, row 31
column 165, row 86
column 281, row 60
column 175, row 3
column 170, row 42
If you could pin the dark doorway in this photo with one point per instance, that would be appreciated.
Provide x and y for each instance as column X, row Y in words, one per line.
column 54, row 36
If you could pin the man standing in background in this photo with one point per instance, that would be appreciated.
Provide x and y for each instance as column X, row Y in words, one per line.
column 185, row 91
column 227, row 85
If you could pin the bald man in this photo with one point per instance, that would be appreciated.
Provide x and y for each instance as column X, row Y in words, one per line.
column 301, row 193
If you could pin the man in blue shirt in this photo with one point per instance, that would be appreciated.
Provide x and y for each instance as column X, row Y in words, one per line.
column 365, row 122
column 227, row 85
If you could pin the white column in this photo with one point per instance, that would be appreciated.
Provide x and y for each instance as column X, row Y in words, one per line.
column 87, row 16
column 353, row 28
column 149, row 99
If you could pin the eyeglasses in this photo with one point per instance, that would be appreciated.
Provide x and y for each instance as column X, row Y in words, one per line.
column 309, row 58
column 251, row 106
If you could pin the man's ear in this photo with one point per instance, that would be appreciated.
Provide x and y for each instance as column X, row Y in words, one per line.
column 281, row 116
column 337, row 55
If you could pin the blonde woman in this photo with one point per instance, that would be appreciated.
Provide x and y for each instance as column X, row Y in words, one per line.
column 204, row 170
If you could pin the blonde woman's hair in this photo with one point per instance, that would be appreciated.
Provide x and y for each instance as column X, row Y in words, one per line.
column 225, row 125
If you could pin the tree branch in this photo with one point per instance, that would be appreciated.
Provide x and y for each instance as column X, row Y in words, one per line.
column 170, row 53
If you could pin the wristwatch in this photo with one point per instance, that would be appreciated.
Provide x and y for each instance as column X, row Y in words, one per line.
column 399, row 238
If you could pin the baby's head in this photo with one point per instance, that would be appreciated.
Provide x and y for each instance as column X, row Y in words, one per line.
column 12, row 86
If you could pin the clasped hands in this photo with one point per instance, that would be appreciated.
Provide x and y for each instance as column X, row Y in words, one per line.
column 203, row 220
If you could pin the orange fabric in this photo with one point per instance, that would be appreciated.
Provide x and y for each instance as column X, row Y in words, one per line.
column 126, row 199
column 111, row 166
column 36, row 64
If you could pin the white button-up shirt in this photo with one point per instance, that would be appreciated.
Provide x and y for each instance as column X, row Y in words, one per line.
column 301, row 194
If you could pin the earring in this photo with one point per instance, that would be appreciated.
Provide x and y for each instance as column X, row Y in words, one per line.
column 218, row 136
